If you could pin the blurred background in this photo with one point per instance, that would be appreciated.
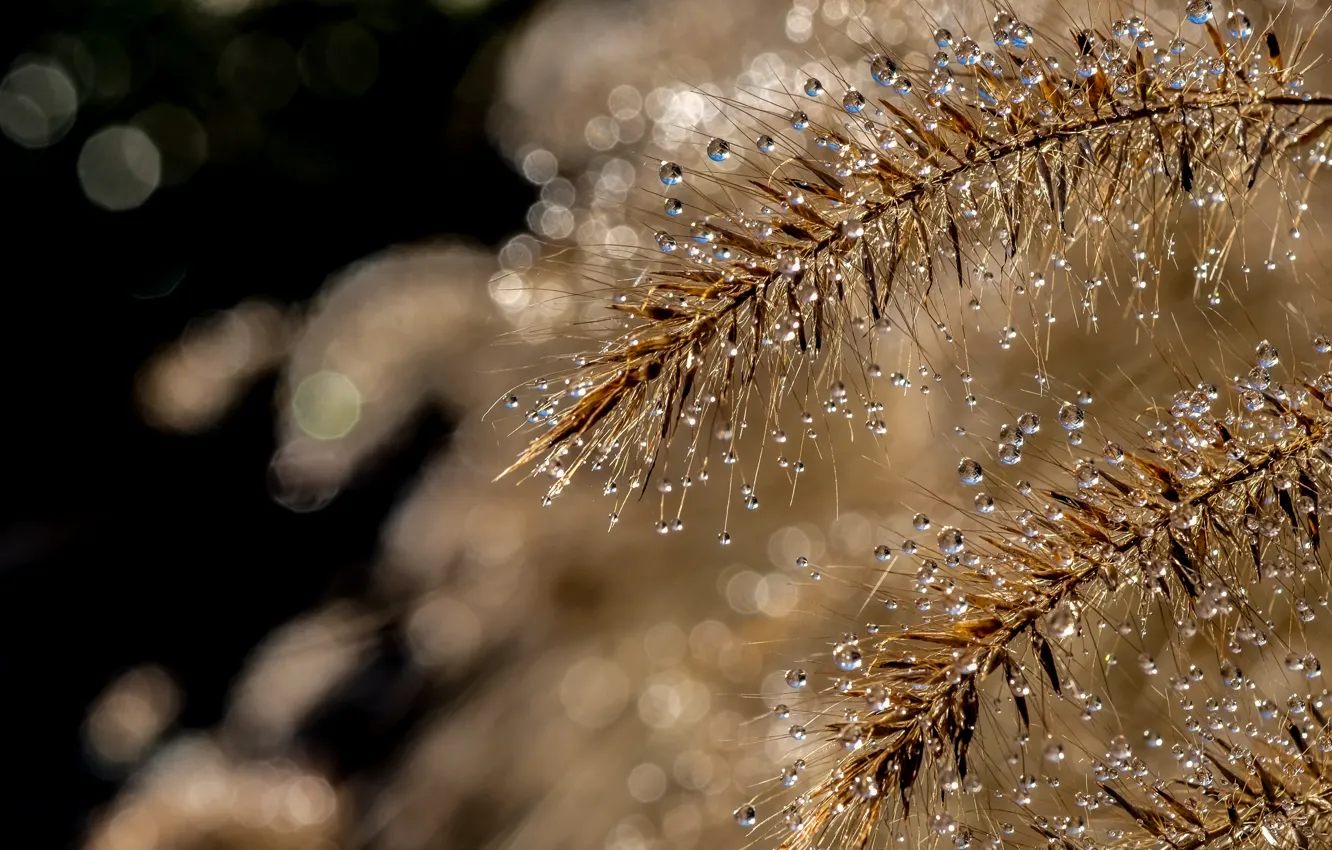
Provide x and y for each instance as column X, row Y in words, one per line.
column 272, row 262
column 165, row 162
column 265, row 279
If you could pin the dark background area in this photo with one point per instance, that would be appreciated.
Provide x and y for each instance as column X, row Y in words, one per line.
column 120, row 544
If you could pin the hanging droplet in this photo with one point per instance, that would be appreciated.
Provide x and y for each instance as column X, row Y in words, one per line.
column 968, row 52
column 673, row 206
column 1062, row 622
column 847, row 656
column 745, row 816
column 1029, row 423
column 1198, row 11
column 813, row 87
column 799, row 120
column 941, row 81
column 853, row 101
column 1239, row 25
column 796, row 678
column 670, row 173
column 766, row 143
column 1071, row 417
column 970, row 472
column 951, row 541
column 884, row 70
column 719, row 150
column 1267, row 354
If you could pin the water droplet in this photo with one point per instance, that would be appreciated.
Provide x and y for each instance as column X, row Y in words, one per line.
column 884, row 70
column 745, row 816
column 984, row 503
column 673, row 206
column 1071, row 417
column 847, row 656
column 1239, row 25
column 941, row 81
column 1267, row 354
column 670, row 173
column 1062, row 622
column 970, row 472
column 813, row 87
column 1231, row 676
column 968, row 52
column 719, row 150
column 796, row 678
column 799, row 120
column 1029, row 423
column 766, row 143
column 1199, row 11
column 853, row 101
column 951, row 541
column 877, row 697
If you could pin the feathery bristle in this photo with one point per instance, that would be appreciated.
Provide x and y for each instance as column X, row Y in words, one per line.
column 986, row 170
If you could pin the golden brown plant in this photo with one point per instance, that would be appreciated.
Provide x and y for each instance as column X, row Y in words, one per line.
column 1206, row 535
column 996, row 192
column 984, row 170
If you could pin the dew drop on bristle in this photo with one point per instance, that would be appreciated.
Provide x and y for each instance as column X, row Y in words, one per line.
column 853, row 101
column 670, row 173
column 951, row 540
column 719, row 150
column 941, row 82
column 1198, row 11
column 969, row 471
column 745, row 816
column 968, row 52
column 1238, row 25
column 1267, row 354
column 884, row 70
column 1071, row 417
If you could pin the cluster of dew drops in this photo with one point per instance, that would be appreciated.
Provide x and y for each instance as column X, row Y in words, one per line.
column 1110, row 58
column 1007, row 32
column 1204, row 717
